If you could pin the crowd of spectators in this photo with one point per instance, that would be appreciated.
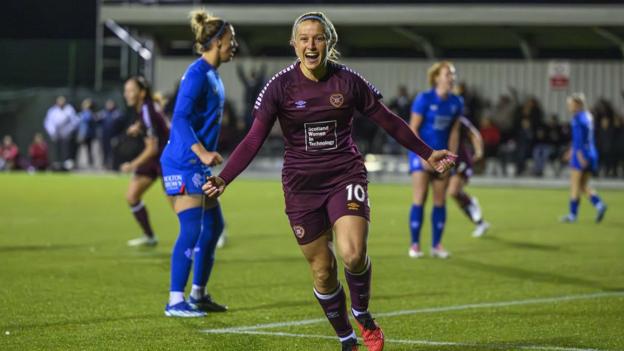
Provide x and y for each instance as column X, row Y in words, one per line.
column 520, row 138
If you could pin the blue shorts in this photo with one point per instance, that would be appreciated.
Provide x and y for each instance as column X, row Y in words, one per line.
column 178, row 181
column 592, row 164
column 415, row 162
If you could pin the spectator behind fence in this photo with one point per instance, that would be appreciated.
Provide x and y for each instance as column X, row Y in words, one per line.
column 61, row 123
column 503, row 115
column 472, row 103
column 402, row 104
column 491, row 139
column 232, row 130
column 542, row 149
column 524, row 142
column 9, row 154
column 111, row 126
column 38, row 153
column 556, row 142
column 605, row 143
column 86, row 129
column 532, row 111
column 253, row 84
column 618, row 127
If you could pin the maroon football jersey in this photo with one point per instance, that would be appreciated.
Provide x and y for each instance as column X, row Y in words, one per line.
column 154, row 125
column 316, row 119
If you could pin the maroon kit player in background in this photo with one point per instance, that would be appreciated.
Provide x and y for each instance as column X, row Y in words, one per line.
column 324, row 178
column 152, row 126
column 462, row 173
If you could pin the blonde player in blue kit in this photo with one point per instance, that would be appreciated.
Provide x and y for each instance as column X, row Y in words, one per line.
column 186, row 162
column 435, row 119
column 583, row 159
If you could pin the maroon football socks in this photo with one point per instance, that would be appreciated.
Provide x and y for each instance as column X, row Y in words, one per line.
column 334, row 305
column 140, row 214
column 359, row 287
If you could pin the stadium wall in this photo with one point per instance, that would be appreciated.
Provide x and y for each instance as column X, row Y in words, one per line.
column 491, row 78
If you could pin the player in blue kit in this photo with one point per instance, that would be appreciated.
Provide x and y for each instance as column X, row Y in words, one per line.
column 435, row 119
column 186, row 163
column 583, row 159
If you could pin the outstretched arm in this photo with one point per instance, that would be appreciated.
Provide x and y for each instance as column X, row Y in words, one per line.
column 246, row 151
column 441, row 160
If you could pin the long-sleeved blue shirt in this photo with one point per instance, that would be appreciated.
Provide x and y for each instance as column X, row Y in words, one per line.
column 583, row 134
column 197, row 114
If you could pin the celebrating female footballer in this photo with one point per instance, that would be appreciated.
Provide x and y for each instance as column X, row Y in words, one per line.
column 324, row 178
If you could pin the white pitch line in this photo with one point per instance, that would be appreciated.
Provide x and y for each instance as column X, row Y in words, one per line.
column 417, row 342
column 427, row 310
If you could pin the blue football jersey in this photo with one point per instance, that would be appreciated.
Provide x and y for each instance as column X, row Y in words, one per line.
column 197, row 114
column 583, row 134
column 438, row 117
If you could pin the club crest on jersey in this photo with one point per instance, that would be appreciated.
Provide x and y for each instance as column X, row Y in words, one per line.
column 336, row 100
column 299, row 231
column 300, row 104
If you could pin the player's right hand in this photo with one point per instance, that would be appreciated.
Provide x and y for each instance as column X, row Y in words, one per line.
column 214, row 187
column 211, row 158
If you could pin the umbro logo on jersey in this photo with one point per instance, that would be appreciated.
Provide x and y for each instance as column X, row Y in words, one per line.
column 336, row 100
column 300, row 104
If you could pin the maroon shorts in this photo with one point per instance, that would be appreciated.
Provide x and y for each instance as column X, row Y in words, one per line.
column 311, row 214
column 151, row 169
column 464, row 169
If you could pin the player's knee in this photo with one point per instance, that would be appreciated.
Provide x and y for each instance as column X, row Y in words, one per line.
column 419, row 197
column 323, row 277
column 453, row 192
column 132, row 198
column 354, row 260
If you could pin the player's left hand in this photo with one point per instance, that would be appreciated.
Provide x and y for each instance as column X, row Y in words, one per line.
column 442, row 160
column 126, row 167
column 214, row 187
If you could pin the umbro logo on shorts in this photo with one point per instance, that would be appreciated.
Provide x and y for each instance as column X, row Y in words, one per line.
column 353, row 206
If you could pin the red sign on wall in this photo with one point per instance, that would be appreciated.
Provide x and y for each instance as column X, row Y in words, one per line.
column 559, row 74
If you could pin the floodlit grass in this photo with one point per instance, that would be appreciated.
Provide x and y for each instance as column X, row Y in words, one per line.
column 68, row 280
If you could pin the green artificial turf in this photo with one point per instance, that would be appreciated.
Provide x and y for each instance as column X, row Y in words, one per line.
column 69, row 282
